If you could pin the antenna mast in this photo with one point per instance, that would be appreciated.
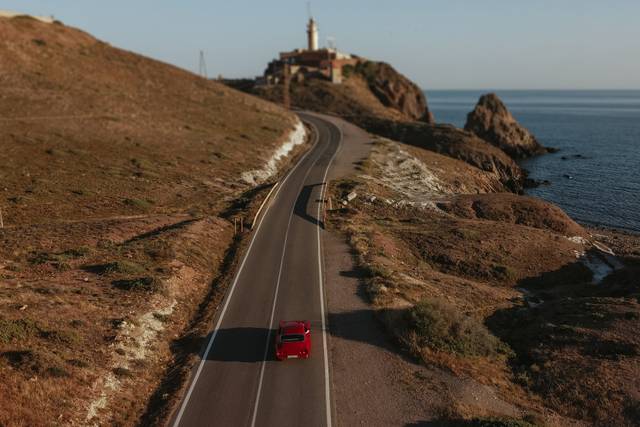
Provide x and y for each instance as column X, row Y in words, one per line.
column 202, row 67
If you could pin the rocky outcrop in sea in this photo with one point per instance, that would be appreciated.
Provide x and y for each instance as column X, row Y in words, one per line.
column 492, row 121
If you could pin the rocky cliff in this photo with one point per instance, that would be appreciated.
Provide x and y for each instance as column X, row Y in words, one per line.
column 381, row 100
column 492, row 121
column 395, row 90
column 452, row 142
column 369, row 89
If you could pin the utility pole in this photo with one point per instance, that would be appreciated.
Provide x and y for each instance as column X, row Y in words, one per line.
column 286, row 101
column 202, row 66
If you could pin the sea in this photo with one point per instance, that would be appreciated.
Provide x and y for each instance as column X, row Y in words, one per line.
column 595, row 175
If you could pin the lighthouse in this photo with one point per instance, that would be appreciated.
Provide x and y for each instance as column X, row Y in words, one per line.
column 312, row 34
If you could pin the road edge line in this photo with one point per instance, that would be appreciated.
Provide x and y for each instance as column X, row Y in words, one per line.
column 327, row 390
column 255, row 218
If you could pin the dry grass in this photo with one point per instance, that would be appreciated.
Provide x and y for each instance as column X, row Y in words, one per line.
column 436, row 324
column 116, row 169
column 98, row 131
column 446, row 277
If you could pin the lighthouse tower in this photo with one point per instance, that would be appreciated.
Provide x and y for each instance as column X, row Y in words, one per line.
column 312, row 34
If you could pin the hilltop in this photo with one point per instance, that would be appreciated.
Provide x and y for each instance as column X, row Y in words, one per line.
column 120, row 178
column 381, row 100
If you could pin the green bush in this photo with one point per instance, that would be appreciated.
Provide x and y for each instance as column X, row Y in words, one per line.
column 440, row 326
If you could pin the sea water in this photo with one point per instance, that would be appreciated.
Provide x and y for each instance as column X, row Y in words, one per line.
column 595, row 175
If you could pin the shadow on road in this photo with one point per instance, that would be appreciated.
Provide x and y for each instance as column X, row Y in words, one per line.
column 302, row 202
column 242, row 345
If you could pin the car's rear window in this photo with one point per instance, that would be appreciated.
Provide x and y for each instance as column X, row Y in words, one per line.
column 292, row 338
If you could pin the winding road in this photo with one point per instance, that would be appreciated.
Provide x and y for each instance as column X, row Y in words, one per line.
column 238, row 381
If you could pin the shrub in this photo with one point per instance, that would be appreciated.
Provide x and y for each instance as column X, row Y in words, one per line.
column 56, row 372
column 159, row 250
column 440, row 326
column 117, row 267
column 58, row 259
column 347, row 70
column 138, row 203
column 372, row 271
column 35, row 362
column 140, row 284
column 14, row 330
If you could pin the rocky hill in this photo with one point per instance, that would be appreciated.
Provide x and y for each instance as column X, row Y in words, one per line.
column 452, row 142
column 393, row 89
column 369, row 89
column 492, row 121
column 379, row 99
column 117, row 172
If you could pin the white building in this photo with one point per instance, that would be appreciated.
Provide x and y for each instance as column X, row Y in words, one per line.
column 312, row 35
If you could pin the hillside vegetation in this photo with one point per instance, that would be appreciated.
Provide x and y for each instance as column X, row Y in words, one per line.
column 497, row 288
column 119, row 175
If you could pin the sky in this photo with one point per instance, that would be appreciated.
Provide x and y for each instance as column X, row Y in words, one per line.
column 440, row 44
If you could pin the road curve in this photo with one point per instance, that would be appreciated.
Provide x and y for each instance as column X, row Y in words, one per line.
column 238, row 381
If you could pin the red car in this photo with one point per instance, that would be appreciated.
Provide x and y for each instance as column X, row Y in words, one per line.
column 293, row 339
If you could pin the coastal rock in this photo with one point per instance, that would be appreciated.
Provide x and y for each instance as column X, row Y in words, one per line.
column 492, row 121
column 396, row 91
column 452, row 142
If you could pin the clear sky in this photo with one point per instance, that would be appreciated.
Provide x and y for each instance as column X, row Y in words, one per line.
column 440, row 44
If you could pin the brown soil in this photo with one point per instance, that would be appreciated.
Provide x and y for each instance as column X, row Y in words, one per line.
column 352, row 98
column 514, row 266
column 120, row 177
column 513, row 209
column 452, row 142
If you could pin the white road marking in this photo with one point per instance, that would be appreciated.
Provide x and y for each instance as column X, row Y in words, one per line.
column 320, row 282
column 233, row 286
column 275, row 300
column 327, row 392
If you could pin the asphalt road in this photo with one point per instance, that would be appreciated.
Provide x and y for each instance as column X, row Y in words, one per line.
column 239, row 382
